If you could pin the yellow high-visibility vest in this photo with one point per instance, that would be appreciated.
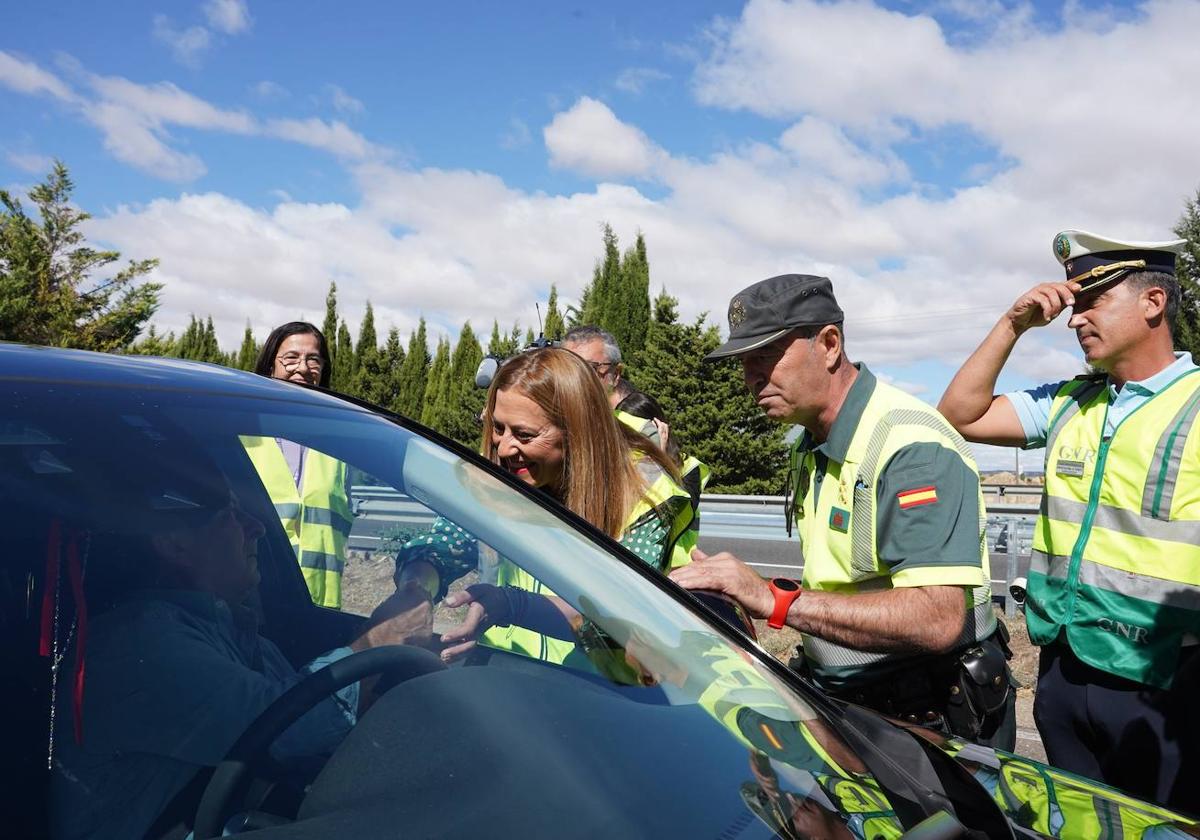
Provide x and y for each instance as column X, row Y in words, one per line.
column 843, row 556
column 1116, row 550
column 316, row 517
column 695, row 475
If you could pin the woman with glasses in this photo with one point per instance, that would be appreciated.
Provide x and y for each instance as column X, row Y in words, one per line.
column 295, row 352
column 311, row 490
column 548, row 423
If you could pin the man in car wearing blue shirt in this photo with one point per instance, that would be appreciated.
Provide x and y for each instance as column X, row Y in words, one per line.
column 176, row 669
column 1114, row 580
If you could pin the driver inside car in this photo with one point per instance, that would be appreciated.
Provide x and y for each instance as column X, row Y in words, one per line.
column 175, row 666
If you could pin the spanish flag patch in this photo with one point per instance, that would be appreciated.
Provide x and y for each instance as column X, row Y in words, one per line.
column 918, row 496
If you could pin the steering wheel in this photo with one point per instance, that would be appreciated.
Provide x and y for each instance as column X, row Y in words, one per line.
column 232, row 776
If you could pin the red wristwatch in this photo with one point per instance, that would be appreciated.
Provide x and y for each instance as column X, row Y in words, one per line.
column 785, row 591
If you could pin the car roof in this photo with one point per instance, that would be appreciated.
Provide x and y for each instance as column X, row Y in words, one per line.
column 23, row 362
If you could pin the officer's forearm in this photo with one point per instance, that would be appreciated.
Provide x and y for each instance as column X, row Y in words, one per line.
column 921, row 619
column 973, row 388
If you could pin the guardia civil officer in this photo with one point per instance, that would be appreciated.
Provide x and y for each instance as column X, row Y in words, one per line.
column 895, row 602
column 1114, row 582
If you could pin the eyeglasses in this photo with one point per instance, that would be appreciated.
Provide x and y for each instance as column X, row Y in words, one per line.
column 601, row 367
column 292, row 360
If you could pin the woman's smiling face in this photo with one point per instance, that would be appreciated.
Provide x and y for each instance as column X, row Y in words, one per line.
column 528, row 445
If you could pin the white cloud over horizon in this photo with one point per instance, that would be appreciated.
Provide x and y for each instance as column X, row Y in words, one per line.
column 824, row 187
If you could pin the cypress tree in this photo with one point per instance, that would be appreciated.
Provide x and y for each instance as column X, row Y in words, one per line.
column 608, row 290
column 154, row 344
column 329, row 327
column 211, row 351
column 370, row 377
column 1187, row 269
column 554, row 327
column 344, row 362
column 414, row 373
column 635, row 301
column 712, row 416
column 248, row 353
column 434, row 402
column 191, row 340
column 392, row 362
column 464, row 400
column 504, row 345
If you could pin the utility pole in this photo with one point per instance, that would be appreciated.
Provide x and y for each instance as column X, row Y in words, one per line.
column 1017, row 456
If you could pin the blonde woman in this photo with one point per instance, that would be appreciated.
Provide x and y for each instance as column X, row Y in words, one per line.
column 547, row 421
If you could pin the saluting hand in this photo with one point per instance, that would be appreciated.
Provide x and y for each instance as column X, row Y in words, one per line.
column 726, row 573
column 1041, row 305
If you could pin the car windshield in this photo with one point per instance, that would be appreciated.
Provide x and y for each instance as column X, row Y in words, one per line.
column 645, row 718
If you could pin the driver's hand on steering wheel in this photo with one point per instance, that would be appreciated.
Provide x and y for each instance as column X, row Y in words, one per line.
column 468, row 631
column 403, row 618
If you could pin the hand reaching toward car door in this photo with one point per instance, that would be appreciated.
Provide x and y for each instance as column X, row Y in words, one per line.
column 403, row 618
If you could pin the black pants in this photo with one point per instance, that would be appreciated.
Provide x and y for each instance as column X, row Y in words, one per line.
column 1126, row 734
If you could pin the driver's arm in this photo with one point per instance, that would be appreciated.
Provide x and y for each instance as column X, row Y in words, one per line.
column 187, row 690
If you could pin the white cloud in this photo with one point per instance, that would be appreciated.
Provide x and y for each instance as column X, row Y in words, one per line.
column 334, row 137
column 28, row 78
column 136, row 119
column 140, row 141
column 588, row 138
column 30, row 162
column 1055, row 101
column 914, row 388
column 344, row 102
column 186, row 45
column 164, row 103
column 228, row 16
column 923, row 273
column 635, row 79
column 826, row 148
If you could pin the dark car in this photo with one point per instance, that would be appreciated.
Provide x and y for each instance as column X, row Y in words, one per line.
column 666, row 720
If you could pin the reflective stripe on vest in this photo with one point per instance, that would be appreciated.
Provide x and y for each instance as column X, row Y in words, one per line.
column 837, row 561
column 1116, row 550
column 317, row 519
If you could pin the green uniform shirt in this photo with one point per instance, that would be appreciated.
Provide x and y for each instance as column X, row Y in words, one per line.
column 925, row 544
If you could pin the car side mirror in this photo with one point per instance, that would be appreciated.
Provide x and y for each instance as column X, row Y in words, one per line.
column 1017, row 590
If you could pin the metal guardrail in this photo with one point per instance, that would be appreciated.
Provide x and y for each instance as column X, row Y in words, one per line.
column 744, row 518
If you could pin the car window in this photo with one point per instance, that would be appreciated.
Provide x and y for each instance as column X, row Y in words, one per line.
column 642, row 681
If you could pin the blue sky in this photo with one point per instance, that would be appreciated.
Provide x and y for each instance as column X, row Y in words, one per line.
column 454, row 160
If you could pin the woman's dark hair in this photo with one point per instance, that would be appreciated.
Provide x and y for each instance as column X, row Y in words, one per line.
column 646, row 407
column 270, row 349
